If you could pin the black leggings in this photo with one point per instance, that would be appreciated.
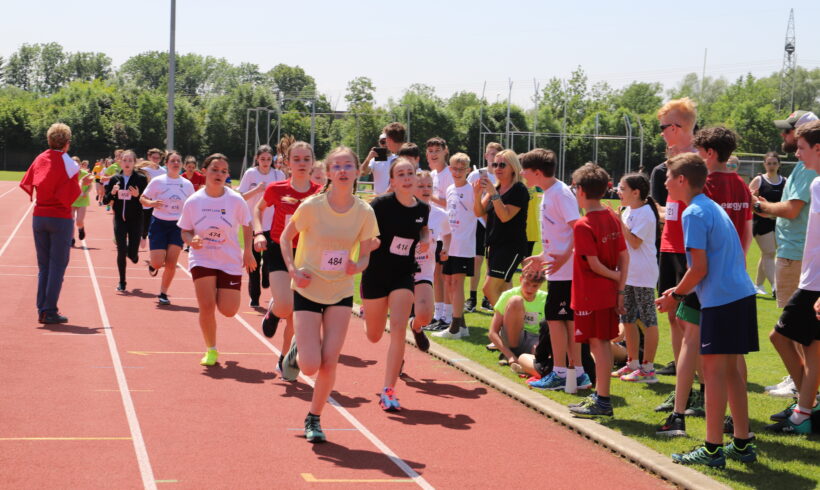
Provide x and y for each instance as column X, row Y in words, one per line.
column 127, row 234
column 260, row 273
column 146, row 221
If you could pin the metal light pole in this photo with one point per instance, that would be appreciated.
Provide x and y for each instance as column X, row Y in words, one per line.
column 169, row 138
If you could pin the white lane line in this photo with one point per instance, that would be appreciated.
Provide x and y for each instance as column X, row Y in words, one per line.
column 14, row 232
column 410, row 472
column 148, row 480
column 15, row 187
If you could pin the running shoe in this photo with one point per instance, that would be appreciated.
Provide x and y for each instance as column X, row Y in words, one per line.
column 209, row 359
column 728, row 425
column 447, row 334
column 591, row 399
column 469, row 305
column 583, row 382
column 163, row 300
column 668, row 370
column 640, row 376
column 701, row 455
column 73, row 242
column 422, row 342
column 485, row 303
column 760, row 290
column 290, row 366
column 786, row 381
column 270, row 322
column 254, row 303
column 621, row 372
column 694, row 406
column 590, row 410
column 550, row 382
column 81, row 233
column 151, row 271
column 388, row 400
column 121, row 287
column 491, row 347
column 436, row 326
column 313, row 429
column 789, row 391
column 745, row 455
column 785, row 413
column 107, row 208
column 789, row 427
column 668, row 405
column 517, row 368
column 674, row 426
column 52, row 317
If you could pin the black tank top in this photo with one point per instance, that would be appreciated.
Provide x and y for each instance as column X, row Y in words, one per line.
column 772, row 193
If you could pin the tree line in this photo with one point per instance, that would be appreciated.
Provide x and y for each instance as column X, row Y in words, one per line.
column 125, row 107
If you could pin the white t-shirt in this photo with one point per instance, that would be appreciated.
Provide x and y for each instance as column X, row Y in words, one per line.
column 558, row 207
column 462, row 220
column 252, row 178
column 172, row 192
column 810, row 268
column 155, row 172
column 475, row 175
column 643, row 262
column 381, row 174
column 217, row 220
column 441, row 182
column 439, row 226
column 71, row 167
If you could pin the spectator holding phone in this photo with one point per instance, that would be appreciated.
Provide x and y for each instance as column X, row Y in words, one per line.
column 378, row 160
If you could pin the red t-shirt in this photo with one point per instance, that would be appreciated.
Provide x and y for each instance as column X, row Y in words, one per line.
column 596, row 234
column 672, row 235
column 198, row 180
column 729, row 190
column 285, row 199
column 56, row 190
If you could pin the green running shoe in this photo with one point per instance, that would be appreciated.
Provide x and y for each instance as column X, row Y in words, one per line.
column 668, row 405
column 694, row 406
column 701, row 455
column 747, row 455
column 209, row 359
column 313, row 429
column 788, row 427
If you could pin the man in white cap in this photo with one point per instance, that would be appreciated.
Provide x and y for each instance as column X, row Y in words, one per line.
column 392, row 137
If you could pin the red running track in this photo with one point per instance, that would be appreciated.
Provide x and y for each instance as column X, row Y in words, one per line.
column 129, row 406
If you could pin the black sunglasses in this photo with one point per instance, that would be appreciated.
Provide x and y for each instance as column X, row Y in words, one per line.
column 498, row 165
column 664, row 126
column 381, row 142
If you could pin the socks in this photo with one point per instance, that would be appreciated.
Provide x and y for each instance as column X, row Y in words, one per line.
column 648, row 367
column 712, row 448
column 473, row 296
column 561, row 372
column 633, row 364
column 799, row 415
column 213, row 347
column 579, row 371
column 448, row 313
column 438, row 311
column 742, row 443
column 456, row 324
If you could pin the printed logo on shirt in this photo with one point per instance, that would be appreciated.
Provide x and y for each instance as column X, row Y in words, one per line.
column 419, row 219
column 546, row 216
column 610, row 236
column 734, row 206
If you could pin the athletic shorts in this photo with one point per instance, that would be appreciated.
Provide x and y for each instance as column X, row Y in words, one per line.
column 526, row 342
column 530, row 248
column 502, row 261
column 689, row 309
column 162, row 233
column 459, row 265
column 223, row 279
column 798, row 320
column 379, row 283
column 273, row 256
column 640, row 303
column 300, row 303
column 672, row 267
column 439, row 246
column 480, row 239
column 423, row 281
column 558, row 301
column 596, row 324
column 729, row 328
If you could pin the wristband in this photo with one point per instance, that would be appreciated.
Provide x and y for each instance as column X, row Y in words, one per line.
column 678, row 297
column 257, row 233
column 758, row 207
column 495, row 197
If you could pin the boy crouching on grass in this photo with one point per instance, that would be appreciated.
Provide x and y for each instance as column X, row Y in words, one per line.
column 599, row 272
column 800, row 321
column 728, row 316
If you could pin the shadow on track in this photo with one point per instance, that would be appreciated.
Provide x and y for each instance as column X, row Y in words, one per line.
column 355, row 362
column 360, row 459
column 411, row 416
column 232, row 370
column 304, row 392
column 430, row 387
column 69, row 328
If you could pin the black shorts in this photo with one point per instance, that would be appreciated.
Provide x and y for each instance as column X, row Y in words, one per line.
column 459, row 265
column 558, row 300
column 300, row 303
column 672, row 268
column 530, row 248
column 729, row 328
column 798, row 320
column 502, row 260
column 527, row 342
column 480, row 238
column 439, row 246
column 424, row 281
column 273, row 256
column 380, row 283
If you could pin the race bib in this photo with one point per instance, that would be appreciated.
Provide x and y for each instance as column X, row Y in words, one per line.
column 531, row 318
column 401, row 246
column 334, row 260
column 671, row 211
column 214, row 237
column 124, row 195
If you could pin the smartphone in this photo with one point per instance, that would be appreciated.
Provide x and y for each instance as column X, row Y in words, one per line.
column 482, row 173
column 381, row 154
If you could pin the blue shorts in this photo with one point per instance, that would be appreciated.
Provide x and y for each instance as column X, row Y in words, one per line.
column 163, row 233
column 729, row 328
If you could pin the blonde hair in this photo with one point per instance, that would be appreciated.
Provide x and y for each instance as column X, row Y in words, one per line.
column 684, row 111
column 58, row 136
column 460, row 158
column 397, row 161
column 511, row 159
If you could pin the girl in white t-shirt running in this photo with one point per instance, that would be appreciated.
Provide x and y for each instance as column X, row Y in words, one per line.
column 166, row 194
column 210, row 223
column 331, row 225
column 640, row 223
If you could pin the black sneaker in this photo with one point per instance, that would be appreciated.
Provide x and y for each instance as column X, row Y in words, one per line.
column 675, row 426
column 313, row 429
column 121, row 287
column 592, row 409
column 469, row 305
column 163, row 300
column 73, row 242
column 485, row 303
column 254, row 303
column 151, row 271
column 422, row 342
column 668, row 370
column 436, row 326
column 785, row 413
column 270, row 323
column 53, row 317
column 82, row 233
column 728, row 425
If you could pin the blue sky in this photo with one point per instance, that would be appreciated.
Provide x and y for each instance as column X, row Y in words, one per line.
column 451, row 45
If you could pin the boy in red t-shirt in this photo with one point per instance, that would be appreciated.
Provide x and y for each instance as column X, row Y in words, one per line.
column 599, row 273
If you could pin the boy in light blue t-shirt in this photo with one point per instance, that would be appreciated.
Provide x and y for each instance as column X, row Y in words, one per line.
column 728, row 319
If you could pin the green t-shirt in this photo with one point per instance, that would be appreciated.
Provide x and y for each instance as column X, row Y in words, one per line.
column 112, row 169
column 82, row 201
column 790, row 234
column 533, row 310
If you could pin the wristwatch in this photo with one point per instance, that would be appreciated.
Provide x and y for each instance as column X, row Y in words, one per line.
column 757, row 207
column 678, row 297
column 495, row 197
column 257, row 233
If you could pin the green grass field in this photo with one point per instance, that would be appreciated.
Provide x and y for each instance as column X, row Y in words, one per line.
column 9, row 175
column 784, row 461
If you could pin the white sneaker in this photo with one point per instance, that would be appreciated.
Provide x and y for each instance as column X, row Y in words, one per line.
column 785, row 392
column 446, row 334
column 786, row 381
column 760, row 290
